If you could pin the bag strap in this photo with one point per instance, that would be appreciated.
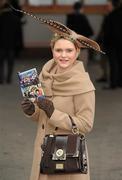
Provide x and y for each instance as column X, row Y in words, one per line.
column 75, row 129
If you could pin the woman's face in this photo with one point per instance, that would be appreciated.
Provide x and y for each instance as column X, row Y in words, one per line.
column 64, row 53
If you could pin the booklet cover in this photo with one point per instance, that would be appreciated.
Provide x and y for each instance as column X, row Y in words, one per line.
column 30, row 85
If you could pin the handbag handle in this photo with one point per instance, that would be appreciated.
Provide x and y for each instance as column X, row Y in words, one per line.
column 75, row 129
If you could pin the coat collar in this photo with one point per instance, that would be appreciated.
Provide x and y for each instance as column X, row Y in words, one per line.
column 72, row 82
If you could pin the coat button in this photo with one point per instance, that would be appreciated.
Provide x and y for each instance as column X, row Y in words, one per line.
column 42, row 126
column 56, row 128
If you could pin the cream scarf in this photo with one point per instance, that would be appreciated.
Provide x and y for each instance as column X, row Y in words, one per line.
column 71, row 82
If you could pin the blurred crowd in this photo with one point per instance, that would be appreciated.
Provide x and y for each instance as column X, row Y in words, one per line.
column 109, row 38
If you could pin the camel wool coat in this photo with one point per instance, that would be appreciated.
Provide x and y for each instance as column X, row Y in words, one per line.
column 72, row 93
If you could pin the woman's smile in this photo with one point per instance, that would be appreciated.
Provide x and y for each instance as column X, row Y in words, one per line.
column 64, row 53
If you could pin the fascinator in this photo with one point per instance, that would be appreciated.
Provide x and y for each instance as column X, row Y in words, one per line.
column 63, row 31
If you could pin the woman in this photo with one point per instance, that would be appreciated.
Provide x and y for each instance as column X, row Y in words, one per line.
column 68, row 91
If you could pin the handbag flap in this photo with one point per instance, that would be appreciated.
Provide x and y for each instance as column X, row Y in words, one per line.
column 66, row 146
column 62, row 146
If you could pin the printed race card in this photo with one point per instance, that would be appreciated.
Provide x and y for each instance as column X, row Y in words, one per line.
column 30, row 85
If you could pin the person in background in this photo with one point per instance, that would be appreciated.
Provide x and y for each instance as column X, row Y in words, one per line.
column 65, row 82
column 9, row 27
column 100, row 39
column 22, row 21
column 113, row 44
column 78, row 21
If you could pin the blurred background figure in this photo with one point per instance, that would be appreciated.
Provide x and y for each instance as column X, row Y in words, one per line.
column 79, row 22
column 103, row 60
column 9, row 41
column 113, row 44
column 22, row 21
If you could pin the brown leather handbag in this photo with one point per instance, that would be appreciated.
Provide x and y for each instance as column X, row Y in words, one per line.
column 64, row 153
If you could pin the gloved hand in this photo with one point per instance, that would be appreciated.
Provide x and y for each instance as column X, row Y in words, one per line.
column 46, row 105
column 28, row 106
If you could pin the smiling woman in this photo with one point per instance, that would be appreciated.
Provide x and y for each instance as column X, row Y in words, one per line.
column 65, row 54
column 68, row 91
column 65, row 82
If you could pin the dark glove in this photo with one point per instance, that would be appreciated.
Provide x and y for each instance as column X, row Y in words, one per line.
column 28, row 106
column 46, row 105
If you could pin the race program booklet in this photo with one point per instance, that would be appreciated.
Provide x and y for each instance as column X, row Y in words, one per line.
column 30, row 85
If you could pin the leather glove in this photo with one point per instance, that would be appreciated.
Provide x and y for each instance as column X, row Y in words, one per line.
column 46, row 105
column 28, row 106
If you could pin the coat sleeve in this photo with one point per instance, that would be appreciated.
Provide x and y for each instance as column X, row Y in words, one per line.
column 84, row 108
column 36, row 114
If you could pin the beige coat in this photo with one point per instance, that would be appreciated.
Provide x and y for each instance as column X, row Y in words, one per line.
column 72, row 94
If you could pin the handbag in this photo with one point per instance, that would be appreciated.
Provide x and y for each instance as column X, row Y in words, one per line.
column 64, row 153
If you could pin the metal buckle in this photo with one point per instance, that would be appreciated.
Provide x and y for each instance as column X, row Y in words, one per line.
column 59, row 155
column 75, row 130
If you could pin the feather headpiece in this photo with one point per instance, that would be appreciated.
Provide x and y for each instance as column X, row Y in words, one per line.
column 61, row 29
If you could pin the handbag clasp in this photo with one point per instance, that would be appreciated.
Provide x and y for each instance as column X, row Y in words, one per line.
column 59, row 155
